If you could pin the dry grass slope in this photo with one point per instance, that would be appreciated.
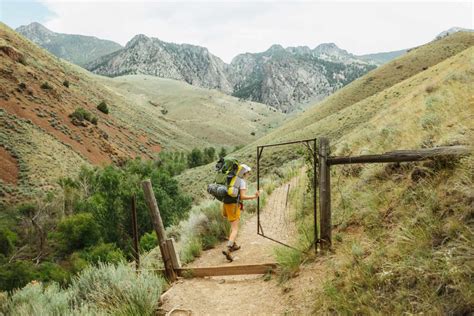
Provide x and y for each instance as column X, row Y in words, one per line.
column 192, row 116
column 391, row 108
column 40, row 142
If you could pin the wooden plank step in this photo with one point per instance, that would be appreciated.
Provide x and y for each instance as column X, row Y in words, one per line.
column 199, row 272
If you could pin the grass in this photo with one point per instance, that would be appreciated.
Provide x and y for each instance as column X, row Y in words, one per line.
column 208, row 126
column 419, row 261
column 102, row 290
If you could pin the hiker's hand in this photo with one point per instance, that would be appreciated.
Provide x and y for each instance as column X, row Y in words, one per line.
column 257, row 193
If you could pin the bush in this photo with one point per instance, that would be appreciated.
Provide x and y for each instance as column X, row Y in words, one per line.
column 195, row 158
column 77, row 232
column 49, row 271
column 148, row 242
column 16, row 275
column 81, row 114
column 7, row 240
column 103, row 107
column 106, row 253
column 117, row 290
column 46, row 86
column 66, row 83
column 37, row 299
column 77, row 263
column 102, row 290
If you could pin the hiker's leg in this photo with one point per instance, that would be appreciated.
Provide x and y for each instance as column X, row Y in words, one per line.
column 234, row 229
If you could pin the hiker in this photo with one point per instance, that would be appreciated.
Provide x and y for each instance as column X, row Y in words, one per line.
column 232, row 207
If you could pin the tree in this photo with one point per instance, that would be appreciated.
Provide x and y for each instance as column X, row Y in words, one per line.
column 209, row 155
column 195, row 158
column 77, row 231
column 222, row 152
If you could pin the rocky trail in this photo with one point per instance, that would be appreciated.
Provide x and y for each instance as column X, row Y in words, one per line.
column 245, row 294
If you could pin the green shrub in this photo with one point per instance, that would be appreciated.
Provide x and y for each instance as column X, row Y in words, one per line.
column 103, row 107
column 77, row 263
column 38, row 299
column 148, row 242
column 77, row 232
column 195, row 158
column 117, row 290
column 16, row 274
column 49, row 271
column 66, row 83
column 102, row 290
column 81, row 114
column 46, row 86
column 106, row 253
column 7, row 240
column 191, row 249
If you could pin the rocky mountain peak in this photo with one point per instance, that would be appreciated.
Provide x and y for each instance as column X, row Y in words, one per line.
column 299, row 50
column 78, row 49
column 328, row 48
column 35, row 27
column 140, row 38
column 275, row 48
column 36, row 32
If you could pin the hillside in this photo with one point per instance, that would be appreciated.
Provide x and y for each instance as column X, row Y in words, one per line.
column 402, row 233
column 77, row 49
column 399, row 84
column 192, row 116
column 382, row 58
column 39, row 92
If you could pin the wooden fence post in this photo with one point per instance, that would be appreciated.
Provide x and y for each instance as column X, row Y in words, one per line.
column 324, row 194
column 160, row 229
column 136, row 254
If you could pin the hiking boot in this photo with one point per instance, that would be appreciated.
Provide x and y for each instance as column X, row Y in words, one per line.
column 227, row 255
column 234, row 247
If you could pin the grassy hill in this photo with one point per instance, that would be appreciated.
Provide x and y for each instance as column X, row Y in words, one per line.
column 192, row 116
column 41, row 142
column 402, row 233
column 383, row 103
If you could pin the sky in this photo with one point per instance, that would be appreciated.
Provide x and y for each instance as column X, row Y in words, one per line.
column 228, row 28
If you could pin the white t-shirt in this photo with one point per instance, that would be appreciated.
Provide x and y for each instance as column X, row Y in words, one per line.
column 243, row 184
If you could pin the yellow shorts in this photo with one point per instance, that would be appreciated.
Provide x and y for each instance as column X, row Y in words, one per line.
column 231, row 211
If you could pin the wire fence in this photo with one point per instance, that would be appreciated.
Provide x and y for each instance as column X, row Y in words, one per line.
column 289, row 216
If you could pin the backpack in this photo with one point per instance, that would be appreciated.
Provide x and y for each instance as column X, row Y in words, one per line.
column 226, row 185
column 225, row 167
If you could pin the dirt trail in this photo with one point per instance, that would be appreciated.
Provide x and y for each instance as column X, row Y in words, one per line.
column 238, row 295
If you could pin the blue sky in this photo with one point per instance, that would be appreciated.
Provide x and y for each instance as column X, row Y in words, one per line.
column 228, row 28
column 17, row 13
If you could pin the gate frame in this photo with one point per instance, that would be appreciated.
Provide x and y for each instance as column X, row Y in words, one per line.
column 314, row 151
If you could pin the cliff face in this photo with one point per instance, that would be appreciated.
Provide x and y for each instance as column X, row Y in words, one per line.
column 77, row 49
column 287, row 77
column 143, row 55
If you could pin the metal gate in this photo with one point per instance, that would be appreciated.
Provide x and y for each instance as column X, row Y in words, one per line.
column 289, row 216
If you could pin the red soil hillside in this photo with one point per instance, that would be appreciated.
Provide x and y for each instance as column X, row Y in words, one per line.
column 38, row 92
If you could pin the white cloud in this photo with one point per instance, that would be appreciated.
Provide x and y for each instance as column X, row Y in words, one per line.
column 230, row 28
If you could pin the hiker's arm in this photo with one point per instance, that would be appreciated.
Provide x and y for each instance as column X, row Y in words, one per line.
column 243, row 195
